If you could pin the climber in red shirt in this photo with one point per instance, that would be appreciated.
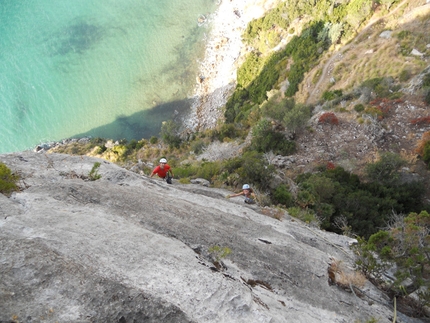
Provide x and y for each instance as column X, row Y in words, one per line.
column 163, row 170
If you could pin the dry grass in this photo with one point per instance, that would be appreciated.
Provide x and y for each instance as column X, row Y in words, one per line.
column 344, row 276
column 385, row 57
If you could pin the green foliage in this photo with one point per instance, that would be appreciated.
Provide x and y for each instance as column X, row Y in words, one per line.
column 426, row 87
column 305, row 215
column 170, row 133
column 426, row 153
column 135, row 145
column 277, row 109
column 249, row 70
column 324, row 212
column 366, row 258
column 274, row 18
column 305, row 51
column 359, row 108
column 219, row 252
column 235, row 104
column 426, row 80
column 407, row 244
column 358, row 11
column 93, row 175
column 297, row 117
column 335, row 32
column 197, row 146
column 228, row 130
column 208, row 170
column 331, row 95
column 404, row 34
column 293, row 116
column 281, row 195
column 404, row 75
column 185, row 170
column 97, row 141
column 8, row 180
column 251, row 168
column 255, row 169
column 265, row 139
column 386, row 169
column 335, row 192
column 381, row 86
column 427, row 97
column 153, row 140
column 120, row 152
column 259, row 75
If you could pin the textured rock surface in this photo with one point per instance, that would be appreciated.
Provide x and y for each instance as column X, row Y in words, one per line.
column 127, row 248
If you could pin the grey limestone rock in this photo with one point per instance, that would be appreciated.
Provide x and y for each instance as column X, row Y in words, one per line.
column 127, row 248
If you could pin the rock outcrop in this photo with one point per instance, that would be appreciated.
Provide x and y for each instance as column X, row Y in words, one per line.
column 128, row 248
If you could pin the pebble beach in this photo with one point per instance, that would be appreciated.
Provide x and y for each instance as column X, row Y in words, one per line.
column 224, row 51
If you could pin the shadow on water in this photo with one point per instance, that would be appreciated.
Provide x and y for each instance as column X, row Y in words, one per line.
column 143, row 124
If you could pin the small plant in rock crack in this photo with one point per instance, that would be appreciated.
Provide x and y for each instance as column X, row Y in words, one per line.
column 8, row 180
column 219, row 253
column 93, row 175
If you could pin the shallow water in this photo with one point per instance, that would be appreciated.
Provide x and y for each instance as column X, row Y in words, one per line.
column 103, row 68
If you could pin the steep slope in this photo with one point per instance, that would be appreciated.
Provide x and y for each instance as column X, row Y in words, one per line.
column 371, row 55
column 126, row 248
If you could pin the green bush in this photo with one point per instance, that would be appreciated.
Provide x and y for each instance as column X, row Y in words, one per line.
column 170, row 133
column 305, row 215
column 198, row 146
column 366, row 206
column 8, row 180
column 185, row 171
column 426, row 80
column 426, row 153
column 281, row 195
column 93, row 174
column 255, row 169
column 228, row 130
column 208, row 170
column 324, row 212
column 386, row 170
column 135, row 145
column 404, row 76
column 359, row 108
column 406, row 244
column 381, row 86
column 404, row 34
column 250, row 69
column 331, row 95
column 297, row 117
column 265, row 139
column 366, row 260
column 276, row 109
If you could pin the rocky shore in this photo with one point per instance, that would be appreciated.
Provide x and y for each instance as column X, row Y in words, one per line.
column 224, row 50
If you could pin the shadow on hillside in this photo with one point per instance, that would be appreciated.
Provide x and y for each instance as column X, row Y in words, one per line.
column 143, row 124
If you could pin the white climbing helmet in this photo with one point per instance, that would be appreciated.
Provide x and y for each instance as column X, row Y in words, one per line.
column 163, row 160
column 245, row 187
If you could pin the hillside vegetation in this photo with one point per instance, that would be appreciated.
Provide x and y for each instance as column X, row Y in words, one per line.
column 329, row 121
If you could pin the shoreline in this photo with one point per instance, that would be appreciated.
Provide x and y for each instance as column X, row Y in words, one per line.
column 224, row 51
column 216, row 78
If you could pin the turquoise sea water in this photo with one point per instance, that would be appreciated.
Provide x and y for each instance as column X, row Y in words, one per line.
column 101, row 68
